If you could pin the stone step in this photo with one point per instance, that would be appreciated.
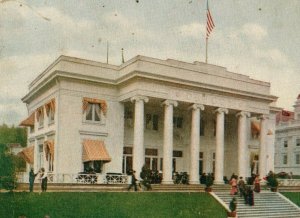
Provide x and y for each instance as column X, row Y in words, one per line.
column 266, row 204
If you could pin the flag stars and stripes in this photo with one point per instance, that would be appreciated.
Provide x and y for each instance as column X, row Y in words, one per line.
column 209, row 23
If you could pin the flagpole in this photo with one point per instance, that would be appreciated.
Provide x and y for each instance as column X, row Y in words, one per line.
column 206, row 45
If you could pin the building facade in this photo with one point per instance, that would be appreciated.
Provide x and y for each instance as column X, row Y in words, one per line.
column 287, row 144
column 166, row 114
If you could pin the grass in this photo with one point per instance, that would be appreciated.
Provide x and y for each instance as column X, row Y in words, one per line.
column 293, row 196
column 128, row 204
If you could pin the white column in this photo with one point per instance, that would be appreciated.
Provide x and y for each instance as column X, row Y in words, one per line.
column 271, row 141
column 168, row 141
column 138, row 135
column 219, row 168
column 242, row 143
column 195, row 143
column 262, row 147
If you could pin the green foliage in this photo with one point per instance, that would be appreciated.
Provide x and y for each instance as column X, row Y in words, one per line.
column 209, row 180
column 13, row 135
column 272, row 181
column 132, row 204
column 7, row 169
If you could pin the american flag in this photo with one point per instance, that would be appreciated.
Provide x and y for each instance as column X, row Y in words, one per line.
column 209, row 23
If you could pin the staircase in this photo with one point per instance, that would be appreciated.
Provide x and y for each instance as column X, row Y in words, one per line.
column 266, row 204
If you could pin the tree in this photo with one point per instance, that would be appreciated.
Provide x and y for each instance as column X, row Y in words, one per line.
column 13, row 135
column 7, row 169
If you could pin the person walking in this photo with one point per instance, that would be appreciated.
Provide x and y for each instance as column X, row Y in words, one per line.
column 233, row 184
column 32, row 176
column 44, row 179
column 133, row 181
column 241, row 186
column 257, row 184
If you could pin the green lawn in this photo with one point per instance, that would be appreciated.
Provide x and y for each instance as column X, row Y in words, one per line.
column 140, row 204
column 293, row 196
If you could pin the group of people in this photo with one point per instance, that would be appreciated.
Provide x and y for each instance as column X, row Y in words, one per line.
column 42, row 176
column 238, row 186
column 145, row 175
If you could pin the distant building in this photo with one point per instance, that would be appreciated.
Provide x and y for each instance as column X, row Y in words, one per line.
column 287, row 146
column 14, row 148
column 166, row 114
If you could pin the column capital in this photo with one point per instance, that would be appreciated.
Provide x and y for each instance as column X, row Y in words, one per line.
column 139, row 98
column 170, row 102
column 221, row 110
column 243, row 114
column 197, row 106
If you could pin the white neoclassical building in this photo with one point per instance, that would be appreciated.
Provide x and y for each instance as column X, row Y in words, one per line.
column 287, row 145
column 167, row 114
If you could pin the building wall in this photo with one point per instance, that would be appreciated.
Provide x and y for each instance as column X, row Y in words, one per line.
column 289, row 135
column 74, row 128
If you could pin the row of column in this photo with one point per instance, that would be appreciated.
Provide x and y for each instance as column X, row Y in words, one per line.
column 138, row 141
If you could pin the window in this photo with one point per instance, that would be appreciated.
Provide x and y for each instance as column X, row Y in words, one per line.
column 151, row 152
column 51, row 116
column 152, row 121
column 200, row 163
column 93, row 166
column 215, row 127
column 127, row 159
column 128, row 117
column 177, row 153
column 50, row 111
column 93, row 112
column 178, row 122
column 214, row 162
column 297, row 158
column 298, row 142
column 151, row 160
column 40, row 156
column 202, row 126
column 285, row 159
column 40, row 116
column 285, row 143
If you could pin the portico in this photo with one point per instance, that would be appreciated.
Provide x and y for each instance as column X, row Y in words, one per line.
column 235, row 141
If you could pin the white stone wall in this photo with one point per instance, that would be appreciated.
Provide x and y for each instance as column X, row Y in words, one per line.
column 159, row 80
column 73, row 127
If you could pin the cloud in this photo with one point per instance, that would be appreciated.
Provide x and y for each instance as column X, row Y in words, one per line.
column 254, row 31
column 193, row 30
column 273, row 55
column 18, row 71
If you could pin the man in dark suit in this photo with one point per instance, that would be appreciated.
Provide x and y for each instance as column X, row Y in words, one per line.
column 133, row 181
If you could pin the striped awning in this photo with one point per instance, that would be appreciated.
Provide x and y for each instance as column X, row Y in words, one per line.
column 255, row 127
column 94, row 150
column 27, row 154
column 49, row 149
column 29, row 121
column 50, row 105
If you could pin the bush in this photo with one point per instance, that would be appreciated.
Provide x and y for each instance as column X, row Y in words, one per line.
column 272, row 181
column 209, row 180
column 8, row 182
